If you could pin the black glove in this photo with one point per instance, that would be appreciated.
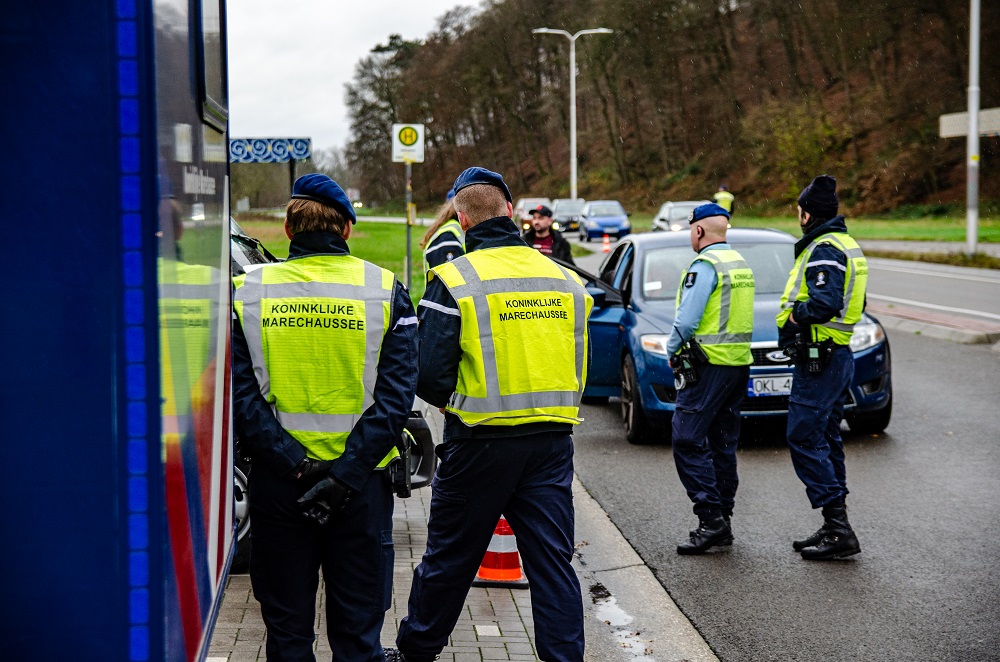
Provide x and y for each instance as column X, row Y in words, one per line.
column 326, row 498
column 309, row 468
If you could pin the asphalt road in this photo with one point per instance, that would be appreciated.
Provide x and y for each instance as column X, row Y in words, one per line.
column 924, row 502
column 939, row 288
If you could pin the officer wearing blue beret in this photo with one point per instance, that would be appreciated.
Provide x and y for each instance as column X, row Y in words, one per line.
column 511, row 391
column 324, row 373
column 709, row 346
column 824, row 298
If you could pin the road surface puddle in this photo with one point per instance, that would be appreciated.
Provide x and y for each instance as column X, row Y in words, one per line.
column 607, row 610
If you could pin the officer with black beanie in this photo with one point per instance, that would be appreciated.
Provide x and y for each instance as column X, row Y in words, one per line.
column 823, row 300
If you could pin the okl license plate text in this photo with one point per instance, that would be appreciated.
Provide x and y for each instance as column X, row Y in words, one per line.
column 771, row 385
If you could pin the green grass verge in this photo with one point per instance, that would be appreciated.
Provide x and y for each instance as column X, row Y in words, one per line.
column 979, row 260
column 381, row 243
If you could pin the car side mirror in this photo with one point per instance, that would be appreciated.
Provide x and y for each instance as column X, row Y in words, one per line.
column 628, row 213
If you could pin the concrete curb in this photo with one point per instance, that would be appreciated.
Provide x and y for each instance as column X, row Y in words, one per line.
column 996, row 348
column 628, row 614
column 938, row 331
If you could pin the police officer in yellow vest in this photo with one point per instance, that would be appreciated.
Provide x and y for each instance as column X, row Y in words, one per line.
column 445, row 239
column 823, row 300
column 324, row 374
column 725, row 199
column 713, row 326
column 504, row 349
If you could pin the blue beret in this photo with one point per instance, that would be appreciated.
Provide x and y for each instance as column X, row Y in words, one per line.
column 704, row 211
column 477, row 175
column 320, row 188
column 449, row 195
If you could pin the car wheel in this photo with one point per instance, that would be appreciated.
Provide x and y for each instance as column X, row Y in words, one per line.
column 595, row 399
column 871, row 422
column 241, row 496
column 637, row 427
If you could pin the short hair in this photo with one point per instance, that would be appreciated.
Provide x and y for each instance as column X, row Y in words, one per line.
column 480, row 202
column 312, row 216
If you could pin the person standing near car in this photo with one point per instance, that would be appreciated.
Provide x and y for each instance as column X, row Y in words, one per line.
column 508, row 446
column 725, row 199
column 324, row 375
column 546, row 240
column 823, row 300
column 444, row 240
column 714, row 318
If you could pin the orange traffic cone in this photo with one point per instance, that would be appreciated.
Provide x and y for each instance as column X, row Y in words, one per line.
column 501, row 567
column 606, row 247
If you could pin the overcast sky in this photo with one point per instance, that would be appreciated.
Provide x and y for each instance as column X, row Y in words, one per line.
column 289, row 60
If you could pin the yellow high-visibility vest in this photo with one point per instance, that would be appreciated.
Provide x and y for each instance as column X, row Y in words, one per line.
column 452, row 227
column 726, row 326
column 524, row 337
column 725, row 200
column 314, row 326
column 841, row 328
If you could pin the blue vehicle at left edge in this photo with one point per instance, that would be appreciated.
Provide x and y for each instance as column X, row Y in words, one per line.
column 117, row 461
column 634, row 300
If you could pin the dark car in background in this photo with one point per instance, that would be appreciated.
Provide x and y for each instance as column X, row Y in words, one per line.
column 246, row 254
column 634, row 300
column 566, row 213
column 604, row 217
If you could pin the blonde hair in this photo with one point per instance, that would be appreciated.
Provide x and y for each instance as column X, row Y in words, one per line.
column 312, row 216
column 445, row 213
column 481, row 202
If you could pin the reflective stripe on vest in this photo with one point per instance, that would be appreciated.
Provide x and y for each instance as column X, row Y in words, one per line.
column 840, row 328
column 282, row 307
column 452, row 227
column 529, row 371
column 726, row 326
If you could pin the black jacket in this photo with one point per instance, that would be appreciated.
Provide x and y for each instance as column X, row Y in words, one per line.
column 561, row 250
column 440, row 333
column 824, row 280
column 381, row 424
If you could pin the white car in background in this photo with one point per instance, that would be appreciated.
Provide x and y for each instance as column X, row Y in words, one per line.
column 673, row 216
column 523, row 207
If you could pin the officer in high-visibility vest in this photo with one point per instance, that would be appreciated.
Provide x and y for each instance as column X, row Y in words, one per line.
column 713, row 325
column 823, row 300
column 324, row 374
column 725, row 199
column 504, row 350
column 445, row 239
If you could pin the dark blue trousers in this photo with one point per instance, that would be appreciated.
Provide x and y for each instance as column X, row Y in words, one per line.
column 354, row 551
column 529, row 481
column 706, row 431
column 814, row 414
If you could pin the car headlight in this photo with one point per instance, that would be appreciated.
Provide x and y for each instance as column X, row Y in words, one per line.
column 593, row 225
column 655, row 343
column 675, row 227
column 556, row 226
column 866, row 334
column 626, row 223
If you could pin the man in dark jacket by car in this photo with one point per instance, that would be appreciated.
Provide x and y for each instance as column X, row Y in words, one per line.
column 544, row 239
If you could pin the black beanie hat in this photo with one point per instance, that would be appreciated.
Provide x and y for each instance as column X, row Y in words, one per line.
column 820, row 197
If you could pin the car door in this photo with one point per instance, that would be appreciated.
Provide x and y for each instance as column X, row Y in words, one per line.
column 606, row 328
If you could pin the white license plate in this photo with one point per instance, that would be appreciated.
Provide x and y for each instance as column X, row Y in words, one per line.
column 771, row 385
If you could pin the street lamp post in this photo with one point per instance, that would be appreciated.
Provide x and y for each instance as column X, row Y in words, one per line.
column 572, row 93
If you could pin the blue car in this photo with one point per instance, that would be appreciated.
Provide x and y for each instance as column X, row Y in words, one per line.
column 604, row 217
column 634, row 299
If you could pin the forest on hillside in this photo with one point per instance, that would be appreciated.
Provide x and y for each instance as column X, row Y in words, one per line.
column 759, row 94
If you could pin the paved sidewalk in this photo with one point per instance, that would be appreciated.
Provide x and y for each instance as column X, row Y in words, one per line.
column 628, row 616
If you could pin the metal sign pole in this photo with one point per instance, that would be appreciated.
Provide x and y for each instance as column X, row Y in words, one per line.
column 409, row 227
column 972, row 141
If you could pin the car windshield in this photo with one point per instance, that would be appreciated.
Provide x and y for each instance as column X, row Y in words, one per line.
column 662, row 269
column 681, row 212
column 531, row 203
column 568, row 207
column 598, row 209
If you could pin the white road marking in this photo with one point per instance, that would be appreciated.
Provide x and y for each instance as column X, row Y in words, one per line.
column 933, row 306
column 944, row 274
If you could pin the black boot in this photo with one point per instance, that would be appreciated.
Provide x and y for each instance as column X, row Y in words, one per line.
column 838, row 539
column 811, row 541
column 728, row 521
column 710, row 532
